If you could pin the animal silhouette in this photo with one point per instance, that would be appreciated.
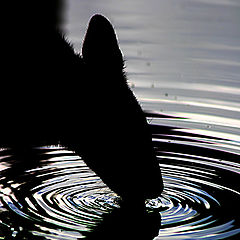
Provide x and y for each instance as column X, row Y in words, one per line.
column 52, row 95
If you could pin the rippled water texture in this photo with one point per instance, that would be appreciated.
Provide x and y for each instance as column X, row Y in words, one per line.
column 59, row 197
column 183, row 64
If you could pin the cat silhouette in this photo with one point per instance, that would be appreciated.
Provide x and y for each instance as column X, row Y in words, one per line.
column 53, row 95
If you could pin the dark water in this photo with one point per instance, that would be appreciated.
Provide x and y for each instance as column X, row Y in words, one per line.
column 59, row 197
column 183, row 64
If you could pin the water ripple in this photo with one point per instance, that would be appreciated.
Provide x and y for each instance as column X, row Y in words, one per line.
column 59, row 197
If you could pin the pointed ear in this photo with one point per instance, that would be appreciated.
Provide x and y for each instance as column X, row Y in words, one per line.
column 100, row 46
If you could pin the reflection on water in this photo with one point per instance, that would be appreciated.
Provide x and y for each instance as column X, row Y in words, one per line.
column 183, row 57
column 61, row 198
column 183, row 61
column 183, row 54
column 58, row 197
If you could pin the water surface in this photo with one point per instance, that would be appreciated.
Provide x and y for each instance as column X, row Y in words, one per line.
column 183, row 64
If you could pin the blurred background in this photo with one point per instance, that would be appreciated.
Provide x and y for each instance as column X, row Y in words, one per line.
column 182, row 57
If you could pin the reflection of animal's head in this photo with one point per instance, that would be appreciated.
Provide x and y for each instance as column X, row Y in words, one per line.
column 33, row 12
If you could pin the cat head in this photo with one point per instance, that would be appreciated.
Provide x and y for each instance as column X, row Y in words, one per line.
column 32, row 13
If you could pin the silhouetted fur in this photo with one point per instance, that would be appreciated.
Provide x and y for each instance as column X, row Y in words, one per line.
column 51, row 95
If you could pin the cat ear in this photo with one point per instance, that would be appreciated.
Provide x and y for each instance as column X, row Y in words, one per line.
column 100, row 46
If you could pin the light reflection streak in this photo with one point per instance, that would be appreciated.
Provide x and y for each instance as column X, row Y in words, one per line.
column 191, row 103
column 70, row 197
